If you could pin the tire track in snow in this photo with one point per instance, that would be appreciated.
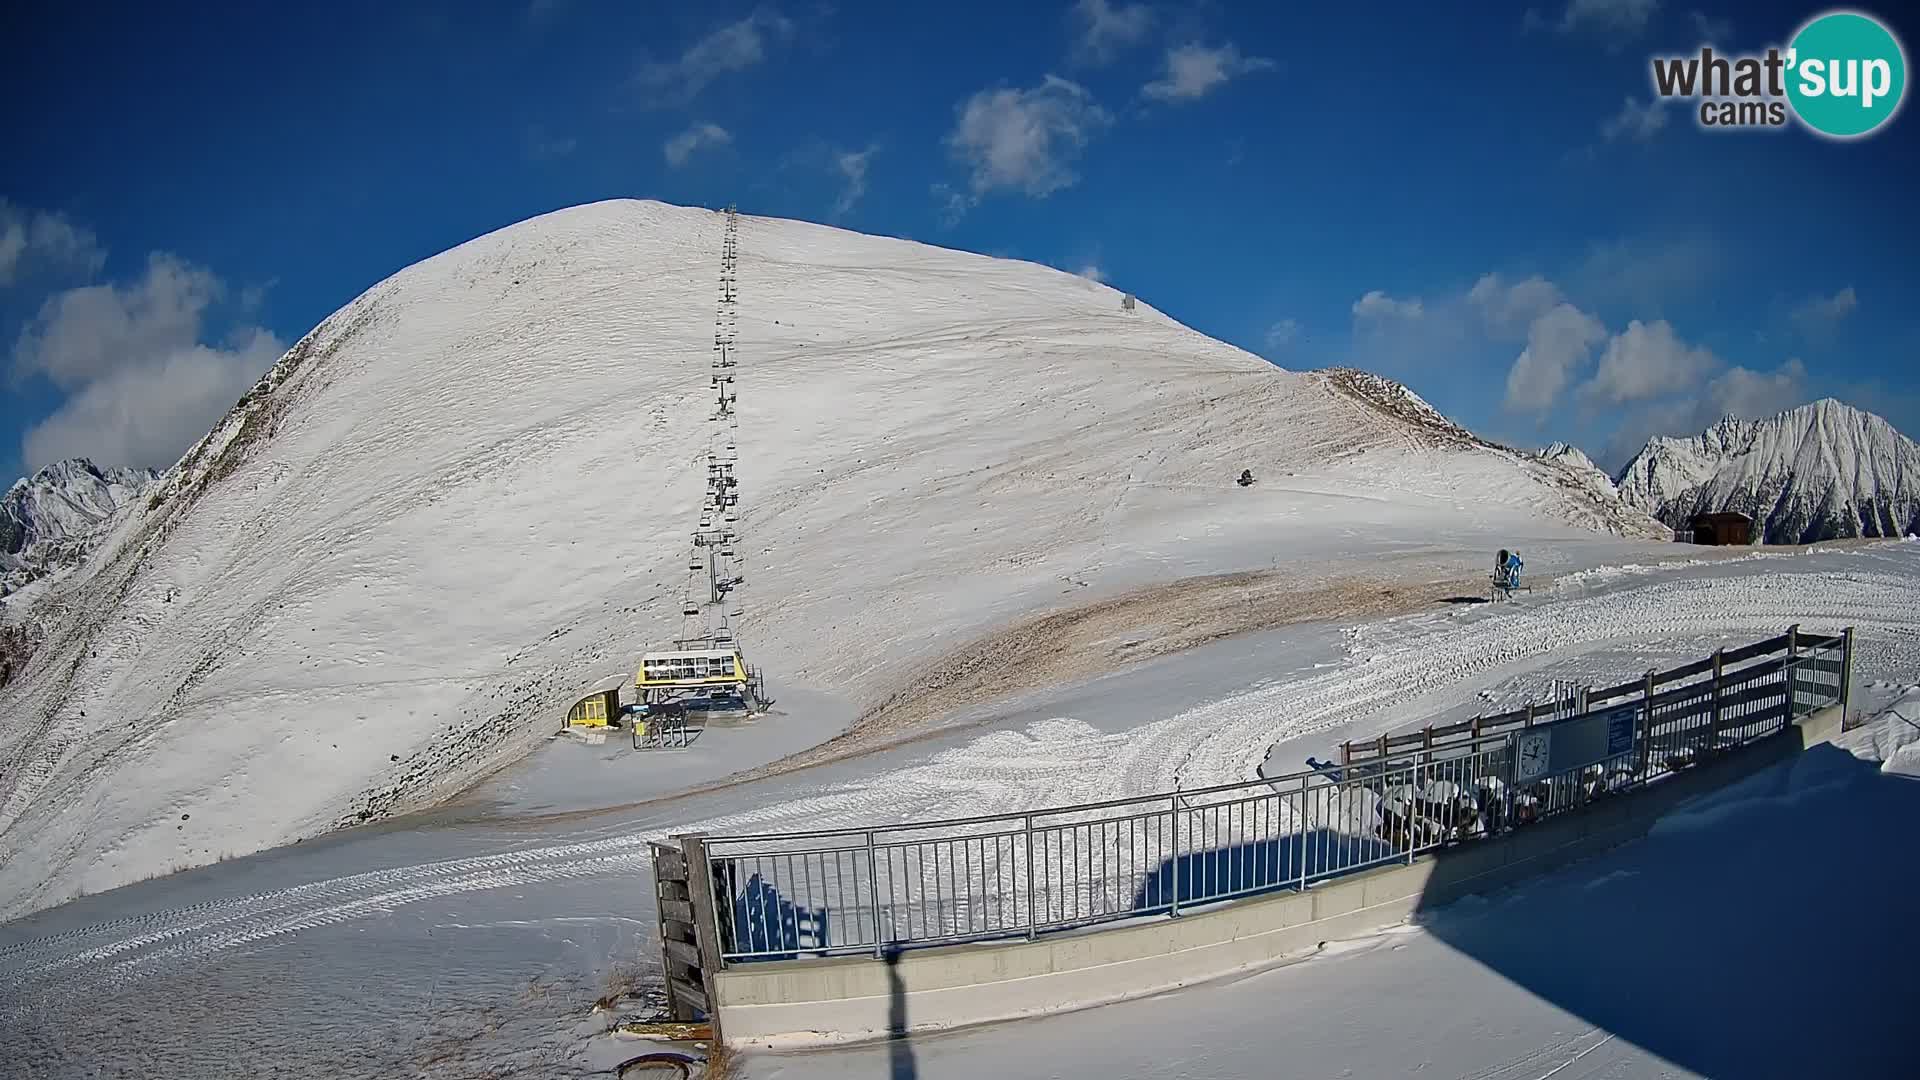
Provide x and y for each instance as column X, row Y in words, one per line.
column 1230, row 738
column 114, row 952
column 1049, row 763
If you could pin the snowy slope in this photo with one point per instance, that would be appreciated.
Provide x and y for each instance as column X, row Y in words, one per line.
column 449, row 921
column 1816, row 472
column 46, row 519
column 462, row 500
column 1587, row 495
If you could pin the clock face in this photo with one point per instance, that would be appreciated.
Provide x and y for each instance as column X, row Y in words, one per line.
column 1532, row 750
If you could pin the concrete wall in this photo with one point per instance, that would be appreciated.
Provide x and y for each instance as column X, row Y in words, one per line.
column 855, row 998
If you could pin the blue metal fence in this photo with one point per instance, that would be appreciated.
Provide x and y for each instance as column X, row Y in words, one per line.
column 787, row 895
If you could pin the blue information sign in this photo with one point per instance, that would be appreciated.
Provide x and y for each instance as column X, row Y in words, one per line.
column 1621, row 722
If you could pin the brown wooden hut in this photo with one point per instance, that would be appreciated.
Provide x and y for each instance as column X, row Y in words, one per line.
column 1725, row 527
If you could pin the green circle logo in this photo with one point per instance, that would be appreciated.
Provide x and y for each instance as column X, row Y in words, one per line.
column 1846, row 74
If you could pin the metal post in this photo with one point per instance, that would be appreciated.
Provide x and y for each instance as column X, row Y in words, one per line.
column 1414, row 816
column 873, row 894
column 1846, row 673
column 1513, row 781
column 1713, row 718
column 1300, row 826
column 1031, row 918
column 1646, row 729
column 1793, row 672
column 1173, row 815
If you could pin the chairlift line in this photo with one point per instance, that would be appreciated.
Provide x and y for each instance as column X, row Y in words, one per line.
column 707, row 670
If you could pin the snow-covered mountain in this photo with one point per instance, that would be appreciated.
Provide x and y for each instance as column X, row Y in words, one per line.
column 1816, row 472
column 1573, row 457
column 48, row 519
column 464, row 499
column 1581, row 467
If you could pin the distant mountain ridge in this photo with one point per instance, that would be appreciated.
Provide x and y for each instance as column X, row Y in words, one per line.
column 1821, row 471
column 47, row 519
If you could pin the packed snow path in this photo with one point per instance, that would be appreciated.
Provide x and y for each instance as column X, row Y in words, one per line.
column 1395, row 673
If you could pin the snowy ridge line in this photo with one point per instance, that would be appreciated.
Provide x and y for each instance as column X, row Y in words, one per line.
column 1050, row 762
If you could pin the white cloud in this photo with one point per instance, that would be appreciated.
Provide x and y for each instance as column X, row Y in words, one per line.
column 1283, row 333
column 1647, row 360
column 852, row 167
column 1617, row 19
column 1092, row 272
column 1738, row 391
column 1559, row 341
column 1750, row 394
column 141, row 384
column 1636, row 120
column 147, row 414
column 734, row 47
column 83, row 334
column 1104, row 30
column 1711, row 28
column 1821, row 313
column 1377, row 306
column 1509, row 308
column 681, row 147
column 1193, row 71
column 39, row 239
column 1023, row 140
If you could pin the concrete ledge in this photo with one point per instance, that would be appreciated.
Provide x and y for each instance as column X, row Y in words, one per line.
column 854, row 998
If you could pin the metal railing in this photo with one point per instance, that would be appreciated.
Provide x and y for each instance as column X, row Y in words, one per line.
column 788, row 895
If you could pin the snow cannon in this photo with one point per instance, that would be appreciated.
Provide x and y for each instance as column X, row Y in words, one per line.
column 1506, row 575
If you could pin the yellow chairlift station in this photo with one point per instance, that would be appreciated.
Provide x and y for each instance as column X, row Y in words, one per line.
column 597, row 710
column 688, row 668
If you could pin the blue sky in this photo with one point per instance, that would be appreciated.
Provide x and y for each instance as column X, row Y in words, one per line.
column 1485, row 205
